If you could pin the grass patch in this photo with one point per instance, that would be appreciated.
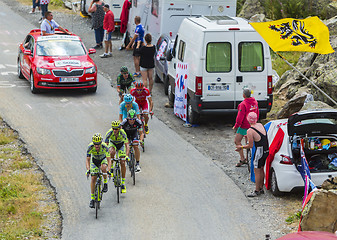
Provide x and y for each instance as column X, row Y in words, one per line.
column 20, row 192
column 294, row 218
column 279, row 65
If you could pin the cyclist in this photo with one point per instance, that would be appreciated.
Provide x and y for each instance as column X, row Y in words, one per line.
column 117, row 141
column 126, row 105
column 143, row 99
column 124, row 82
column 98, row 156
column 133, row 126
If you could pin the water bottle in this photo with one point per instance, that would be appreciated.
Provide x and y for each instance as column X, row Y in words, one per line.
column 294, row 141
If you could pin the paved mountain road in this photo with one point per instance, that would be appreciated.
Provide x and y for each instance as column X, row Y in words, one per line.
column 179, row 194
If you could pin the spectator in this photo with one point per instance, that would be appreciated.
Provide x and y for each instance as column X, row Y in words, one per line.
column 44, row 8
column 249, row 104
column 109, row 27
column 257, row 135
column 97, row 14
column 36, row 3
column 139, row 36
column 147, row 53
column 124, row 17
column 48, row 25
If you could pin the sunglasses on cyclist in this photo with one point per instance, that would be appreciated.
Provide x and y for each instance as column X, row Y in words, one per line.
column 97, row 144
column 132, row 119
column 115, row 128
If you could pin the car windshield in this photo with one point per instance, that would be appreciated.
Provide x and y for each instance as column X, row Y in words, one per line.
column 55, row 48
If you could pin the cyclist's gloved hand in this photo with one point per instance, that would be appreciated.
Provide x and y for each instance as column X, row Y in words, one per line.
column 87, row 173
column 109, row 173
column 127, row 158
column 151, row 113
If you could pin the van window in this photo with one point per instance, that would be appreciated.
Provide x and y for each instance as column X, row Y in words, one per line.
column 218, row 57
column 251, row 57
column 181, row 52
column 154, row 7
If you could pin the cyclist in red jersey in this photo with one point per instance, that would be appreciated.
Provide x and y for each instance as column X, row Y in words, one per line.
column 143, row 99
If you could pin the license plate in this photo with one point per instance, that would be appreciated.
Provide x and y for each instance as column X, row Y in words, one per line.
column 69, row 79
column 218, row 87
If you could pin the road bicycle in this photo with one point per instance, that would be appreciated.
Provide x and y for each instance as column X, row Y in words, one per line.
column 117, row 177
column 142, row 119
column 98, row 190
column 132, row 164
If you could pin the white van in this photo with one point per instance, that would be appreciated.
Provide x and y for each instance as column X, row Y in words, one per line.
column 224, row 55
column 165, row 16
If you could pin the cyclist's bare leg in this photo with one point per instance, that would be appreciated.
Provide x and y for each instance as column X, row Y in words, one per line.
column 123, row 167
column 112, row 151
column 146, row 118
column 93, row 183
column 104, row 170
column 137, row 152
column 237, row 140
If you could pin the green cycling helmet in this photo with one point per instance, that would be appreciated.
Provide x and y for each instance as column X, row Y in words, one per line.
column 124, row 69
column 131, row 114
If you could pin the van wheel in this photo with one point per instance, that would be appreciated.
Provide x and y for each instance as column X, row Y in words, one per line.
column 273, row 184
column 170, row 95
column 157, row 78
column 166, row 84
column 192, row 116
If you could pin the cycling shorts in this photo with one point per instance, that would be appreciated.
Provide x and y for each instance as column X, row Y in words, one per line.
column 134, row 138
column 120, row 148
column 95, row 165
column 144, row 106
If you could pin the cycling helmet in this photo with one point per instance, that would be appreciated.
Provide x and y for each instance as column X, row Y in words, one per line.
column 131, row 114
column 139, row 85
column 97, row 138
column 124, row 69
column 128, row 98
column 115, row 124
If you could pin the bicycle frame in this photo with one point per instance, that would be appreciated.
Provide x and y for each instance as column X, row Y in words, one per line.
column 132, row 163
column 117, row 176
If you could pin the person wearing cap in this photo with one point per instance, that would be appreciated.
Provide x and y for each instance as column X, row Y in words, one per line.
column 257, row 135
column 249, row 104
column 109, row 27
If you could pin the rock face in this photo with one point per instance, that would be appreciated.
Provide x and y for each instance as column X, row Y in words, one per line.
column 250, row 8
column 320, row 214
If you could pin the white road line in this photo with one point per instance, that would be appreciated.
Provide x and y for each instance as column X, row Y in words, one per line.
column 28, row 106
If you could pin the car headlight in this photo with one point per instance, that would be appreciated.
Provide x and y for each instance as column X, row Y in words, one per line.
column 90, row 70
column 43, row 71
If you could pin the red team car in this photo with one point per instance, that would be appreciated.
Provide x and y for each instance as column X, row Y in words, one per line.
column 56, row 62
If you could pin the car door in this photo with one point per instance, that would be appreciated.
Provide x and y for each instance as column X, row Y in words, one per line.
column 26, row 59
column 219, row 69
column 251, row 67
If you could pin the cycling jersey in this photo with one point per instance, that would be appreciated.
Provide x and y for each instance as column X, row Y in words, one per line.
column 118, row 141
column 123, row 83
column 124, row 111
column 141, row 98
column 131, row 130
column 98, row 156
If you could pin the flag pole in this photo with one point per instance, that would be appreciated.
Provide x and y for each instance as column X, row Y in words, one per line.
column 307, row 79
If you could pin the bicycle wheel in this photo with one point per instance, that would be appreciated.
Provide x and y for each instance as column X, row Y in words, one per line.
column 96, row 198
column 132, row 163
column 118, row 182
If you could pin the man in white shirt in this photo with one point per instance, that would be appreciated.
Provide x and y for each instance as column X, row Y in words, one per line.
column 48, row 25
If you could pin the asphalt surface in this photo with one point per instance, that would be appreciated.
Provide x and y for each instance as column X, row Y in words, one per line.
column 180, row 193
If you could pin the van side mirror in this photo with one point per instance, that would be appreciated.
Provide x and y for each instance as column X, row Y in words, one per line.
column 27, row 52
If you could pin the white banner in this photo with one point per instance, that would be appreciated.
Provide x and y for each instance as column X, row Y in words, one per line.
column 161, row 50
column 180, row 100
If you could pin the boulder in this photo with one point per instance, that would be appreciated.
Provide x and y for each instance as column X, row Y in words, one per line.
column 330, row 183
column 258, row 18
column 320, row 213
column 315, row 105
column 294, row 105
column 250, row 8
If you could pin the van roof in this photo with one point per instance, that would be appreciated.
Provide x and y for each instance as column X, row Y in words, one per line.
column 222, row 23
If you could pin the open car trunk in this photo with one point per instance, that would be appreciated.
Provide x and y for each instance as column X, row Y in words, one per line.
column 318, row 129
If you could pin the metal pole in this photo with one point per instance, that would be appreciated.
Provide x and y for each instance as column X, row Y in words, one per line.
column 307, row 79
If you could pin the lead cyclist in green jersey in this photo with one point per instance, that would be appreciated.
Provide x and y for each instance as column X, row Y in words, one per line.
column 117, row 140
column 98, row 156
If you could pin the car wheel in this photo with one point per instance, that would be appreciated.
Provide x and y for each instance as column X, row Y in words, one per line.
column 192, row 116
column 166, row 84
column 273, row 184
column 92, row 90
column 82, row 7
column 33, row 89
column 20, row 75
column 170, row 94
column 157, row 78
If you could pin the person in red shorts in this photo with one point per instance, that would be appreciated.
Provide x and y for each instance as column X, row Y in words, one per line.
column 143, row 99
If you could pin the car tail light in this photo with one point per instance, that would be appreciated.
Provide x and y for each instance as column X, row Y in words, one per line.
column 270, row 85
column 286, row 160
column 170, row 34
column 198, row 86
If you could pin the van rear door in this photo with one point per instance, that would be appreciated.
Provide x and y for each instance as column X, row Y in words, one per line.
column 219, row 69
column 251, row 66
